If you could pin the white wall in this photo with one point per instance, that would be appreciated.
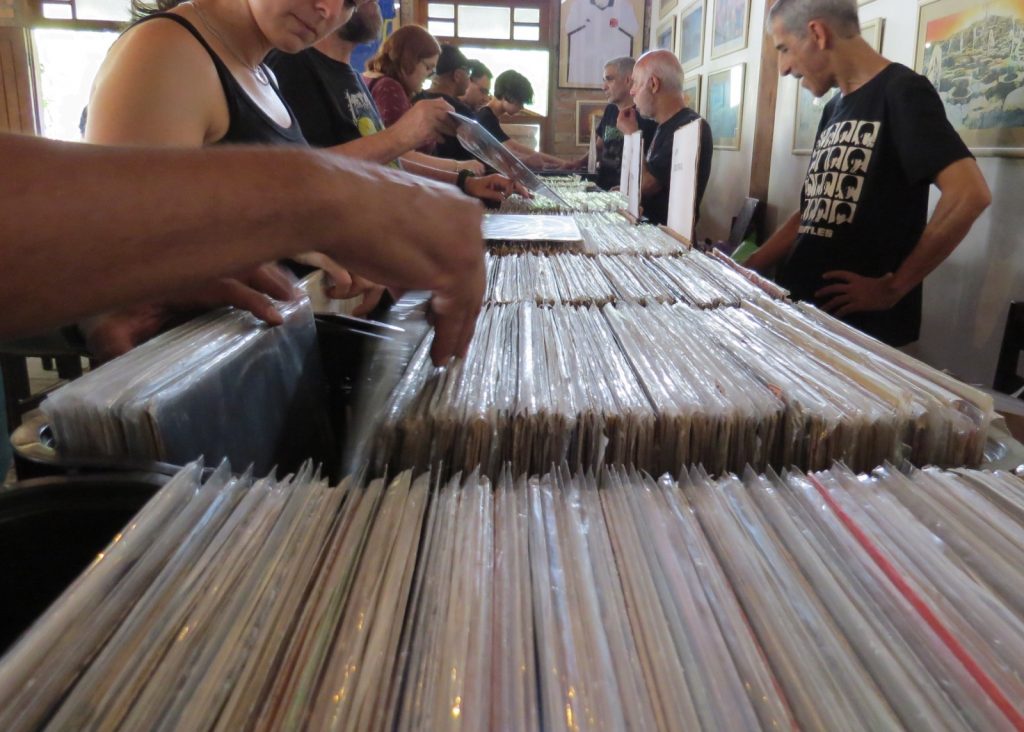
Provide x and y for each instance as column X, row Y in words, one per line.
column 966, row 298
column 730, row 169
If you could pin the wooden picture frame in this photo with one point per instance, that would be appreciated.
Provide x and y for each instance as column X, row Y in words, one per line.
column 729, row 26
column 987, row 110
column 723, row 106
column 691, row 36
column 691, row 88
column 589, row 35
column 585, row 109
column 873, row 32
column 666, row 36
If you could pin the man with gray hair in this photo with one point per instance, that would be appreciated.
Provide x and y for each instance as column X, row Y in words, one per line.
column 617, row 78
column 657, row 92
column 887, row 137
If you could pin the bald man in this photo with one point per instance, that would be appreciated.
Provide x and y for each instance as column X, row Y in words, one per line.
column 861, row 243
column 657, row 93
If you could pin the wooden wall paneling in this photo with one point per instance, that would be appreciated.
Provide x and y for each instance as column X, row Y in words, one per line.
column 17, row 106
column 764, row 120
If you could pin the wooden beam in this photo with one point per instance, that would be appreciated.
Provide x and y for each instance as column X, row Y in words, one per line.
column 16, row 101
column 764, row 118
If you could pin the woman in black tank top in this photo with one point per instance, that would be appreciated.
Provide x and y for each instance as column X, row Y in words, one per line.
column 191, row 74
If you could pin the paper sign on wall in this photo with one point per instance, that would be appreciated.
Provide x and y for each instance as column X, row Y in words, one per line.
column 682, row 194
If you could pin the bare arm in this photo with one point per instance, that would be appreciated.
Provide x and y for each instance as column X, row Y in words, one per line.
column 776, row 247
column 964, row 196
column 85, row 229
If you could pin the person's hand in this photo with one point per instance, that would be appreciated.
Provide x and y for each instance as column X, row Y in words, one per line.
column 473, row 166
column 628, row 121
column 431, row 241
column 427, row 121
column 117, row 332
column 341, row 284
column 491, row 188
column 855, row 293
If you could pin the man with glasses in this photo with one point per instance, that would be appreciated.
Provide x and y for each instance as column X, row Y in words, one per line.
column 479, row 91
column 450, row 81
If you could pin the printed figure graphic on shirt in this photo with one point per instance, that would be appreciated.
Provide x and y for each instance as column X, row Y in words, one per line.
column 597, row 30
column 856, row 161
column 361, row 109
column 836, row 174
column 846, row 132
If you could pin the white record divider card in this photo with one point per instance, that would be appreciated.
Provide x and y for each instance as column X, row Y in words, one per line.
column 592, row 151
column 632, row 168
column 682, row 213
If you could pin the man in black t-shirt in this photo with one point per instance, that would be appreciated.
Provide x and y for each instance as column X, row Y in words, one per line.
column 861, row 245
column 451, row 81
column 334, row 107
column 617, row 80
column 657, row 93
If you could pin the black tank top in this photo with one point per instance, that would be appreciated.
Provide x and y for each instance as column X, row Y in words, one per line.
column 247, row 123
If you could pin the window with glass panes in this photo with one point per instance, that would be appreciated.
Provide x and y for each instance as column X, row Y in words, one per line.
column 70, row 39
column 502, row 35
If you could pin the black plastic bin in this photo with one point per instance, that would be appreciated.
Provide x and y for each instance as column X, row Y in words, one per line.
column 51, row 529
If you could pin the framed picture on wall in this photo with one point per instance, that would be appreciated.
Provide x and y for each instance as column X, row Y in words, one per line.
column 724, row 106
column 590, row 33
column 691, row 88
column 666, row 36
column 691, row 36
column 971, row 52
column 871, row 31
column 808, row 116
column 666, row 7
column 729, row 26
column 585, row 110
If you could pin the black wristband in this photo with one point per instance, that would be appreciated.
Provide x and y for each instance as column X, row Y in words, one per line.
column 463, row 174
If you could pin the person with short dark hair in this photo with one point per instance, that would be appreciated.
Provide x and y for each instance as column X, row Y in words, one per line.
column 867, row 265
column 479, row 91
column 450, row 81
column 616, row 82
column 513, row 91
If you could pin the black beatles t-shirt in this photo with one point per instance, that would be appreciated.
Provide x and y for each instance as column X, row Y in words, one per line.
column 490, row 123
column 328, row 97
column 450, row 147
column 609, row 169
column 659, row 163
column 864, row 203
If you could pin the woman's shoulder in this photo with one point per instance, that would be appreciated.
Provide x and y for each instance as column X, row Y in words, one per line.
column 157, row 69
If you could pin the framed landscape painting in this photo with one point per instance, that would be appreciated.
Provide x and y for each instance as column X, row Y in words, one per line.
column 729, row 26
column 724, row 106
column 691, row 36
column 971, row 51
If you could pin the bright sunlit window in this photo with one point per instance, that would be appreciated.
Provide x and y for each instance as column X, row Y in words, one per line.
column 533, row 64
column 68, row 61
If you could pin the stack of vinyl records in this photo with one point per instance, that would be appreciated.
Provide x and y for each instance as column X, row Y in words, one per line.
column 611, row 233
column 560, row 602
column 657, row 387
column 689, row 277
column 223, row 385
column 573, row 201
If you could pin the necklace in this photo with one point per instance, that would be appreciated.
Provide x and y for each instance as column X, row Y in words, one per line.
column 257, row 71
